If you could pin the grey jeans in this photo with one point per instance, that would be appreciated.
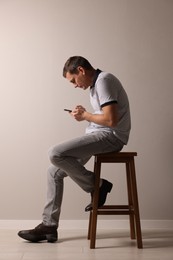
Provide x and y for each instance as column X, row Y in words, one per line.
column 68, row 159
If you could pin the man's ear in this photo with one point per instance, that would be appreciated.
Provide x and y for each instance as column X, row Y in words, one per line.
column 81, row 69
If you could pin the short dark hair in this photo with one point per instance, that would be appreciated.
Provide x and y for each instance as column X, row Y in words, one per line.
column 74, row 62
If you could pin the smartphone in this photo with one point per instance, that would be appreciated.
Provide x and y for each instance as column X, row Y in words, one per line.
column 68, row 110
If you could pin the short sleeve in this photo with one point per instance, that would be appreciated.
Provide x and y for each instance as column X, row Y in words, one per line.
column 107, row 91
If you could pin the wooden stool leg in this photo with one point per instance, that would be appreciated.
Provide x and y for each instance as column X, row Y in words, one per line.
column 97, row 167
column 89, row 227
column 136, row 204
column 130, row 201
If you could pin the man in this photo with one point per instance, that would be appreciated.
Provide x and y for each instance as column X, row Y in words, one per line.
column 108, row 131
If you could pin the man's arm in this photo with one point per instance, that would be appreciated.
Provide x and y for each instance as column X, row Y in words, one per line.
column 108, row 118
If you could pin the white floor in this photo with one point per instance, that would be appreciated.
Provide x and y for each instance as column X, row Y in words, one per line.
column 73, row 245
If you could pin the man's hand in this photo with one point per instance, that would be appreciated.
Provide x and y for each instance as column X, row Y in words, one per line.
column 78, row 113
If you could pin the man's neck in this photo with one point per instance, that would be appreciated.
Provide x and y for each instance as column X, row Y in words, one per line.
column 95, row 76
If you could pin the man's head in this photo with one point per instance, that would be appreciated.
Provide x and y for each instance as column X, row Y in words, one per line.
column 79, row 71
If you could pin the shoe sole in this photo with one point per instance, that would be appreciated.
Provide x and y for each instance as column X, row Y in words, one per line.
column 51, row 238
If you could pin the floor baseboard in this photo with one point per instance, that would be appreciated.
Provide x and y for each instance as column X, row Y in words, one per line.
column 83, row 224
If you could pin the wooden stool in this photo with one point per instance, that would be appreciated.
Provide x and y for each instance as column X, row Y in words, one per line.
column 132, row 209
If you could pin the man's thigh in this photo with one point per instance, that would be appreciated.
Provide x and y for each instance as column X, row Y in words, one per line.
column 87, row 145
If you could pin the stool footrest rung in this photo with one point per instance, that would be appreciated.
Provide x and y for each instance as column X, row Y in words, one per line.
column 116, row 207
column 115, row 210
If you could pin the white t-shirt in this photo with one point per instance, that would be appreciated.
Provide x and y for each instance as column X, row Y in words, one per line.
column 107, row 90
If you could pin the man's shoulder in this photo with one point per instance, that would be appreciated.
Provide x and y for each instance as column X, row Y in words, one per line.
column 108, row 79
column 107, row 76
column 104, row 74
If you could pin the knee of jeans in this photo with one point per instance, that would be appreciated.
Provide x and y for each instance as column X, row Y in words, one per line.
column 54, row 156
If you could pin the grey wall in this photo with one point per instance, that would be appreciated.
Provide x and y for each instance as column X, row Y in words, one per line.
column 132, row 39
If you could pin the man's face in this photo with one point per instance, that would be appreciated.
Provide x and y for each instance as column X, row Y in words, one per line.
column 79, row 80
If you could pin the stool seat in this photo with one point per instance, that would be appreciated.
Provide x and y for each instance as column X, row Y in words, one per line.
column 132, row 209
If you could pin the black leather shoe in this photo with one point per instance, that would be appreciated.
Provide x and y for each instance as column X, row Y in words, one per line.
column 40, row 233
column 103, row 191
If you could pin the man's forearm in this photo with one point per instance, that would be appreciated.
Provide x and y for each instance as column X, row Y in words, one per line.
column 100, row 119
